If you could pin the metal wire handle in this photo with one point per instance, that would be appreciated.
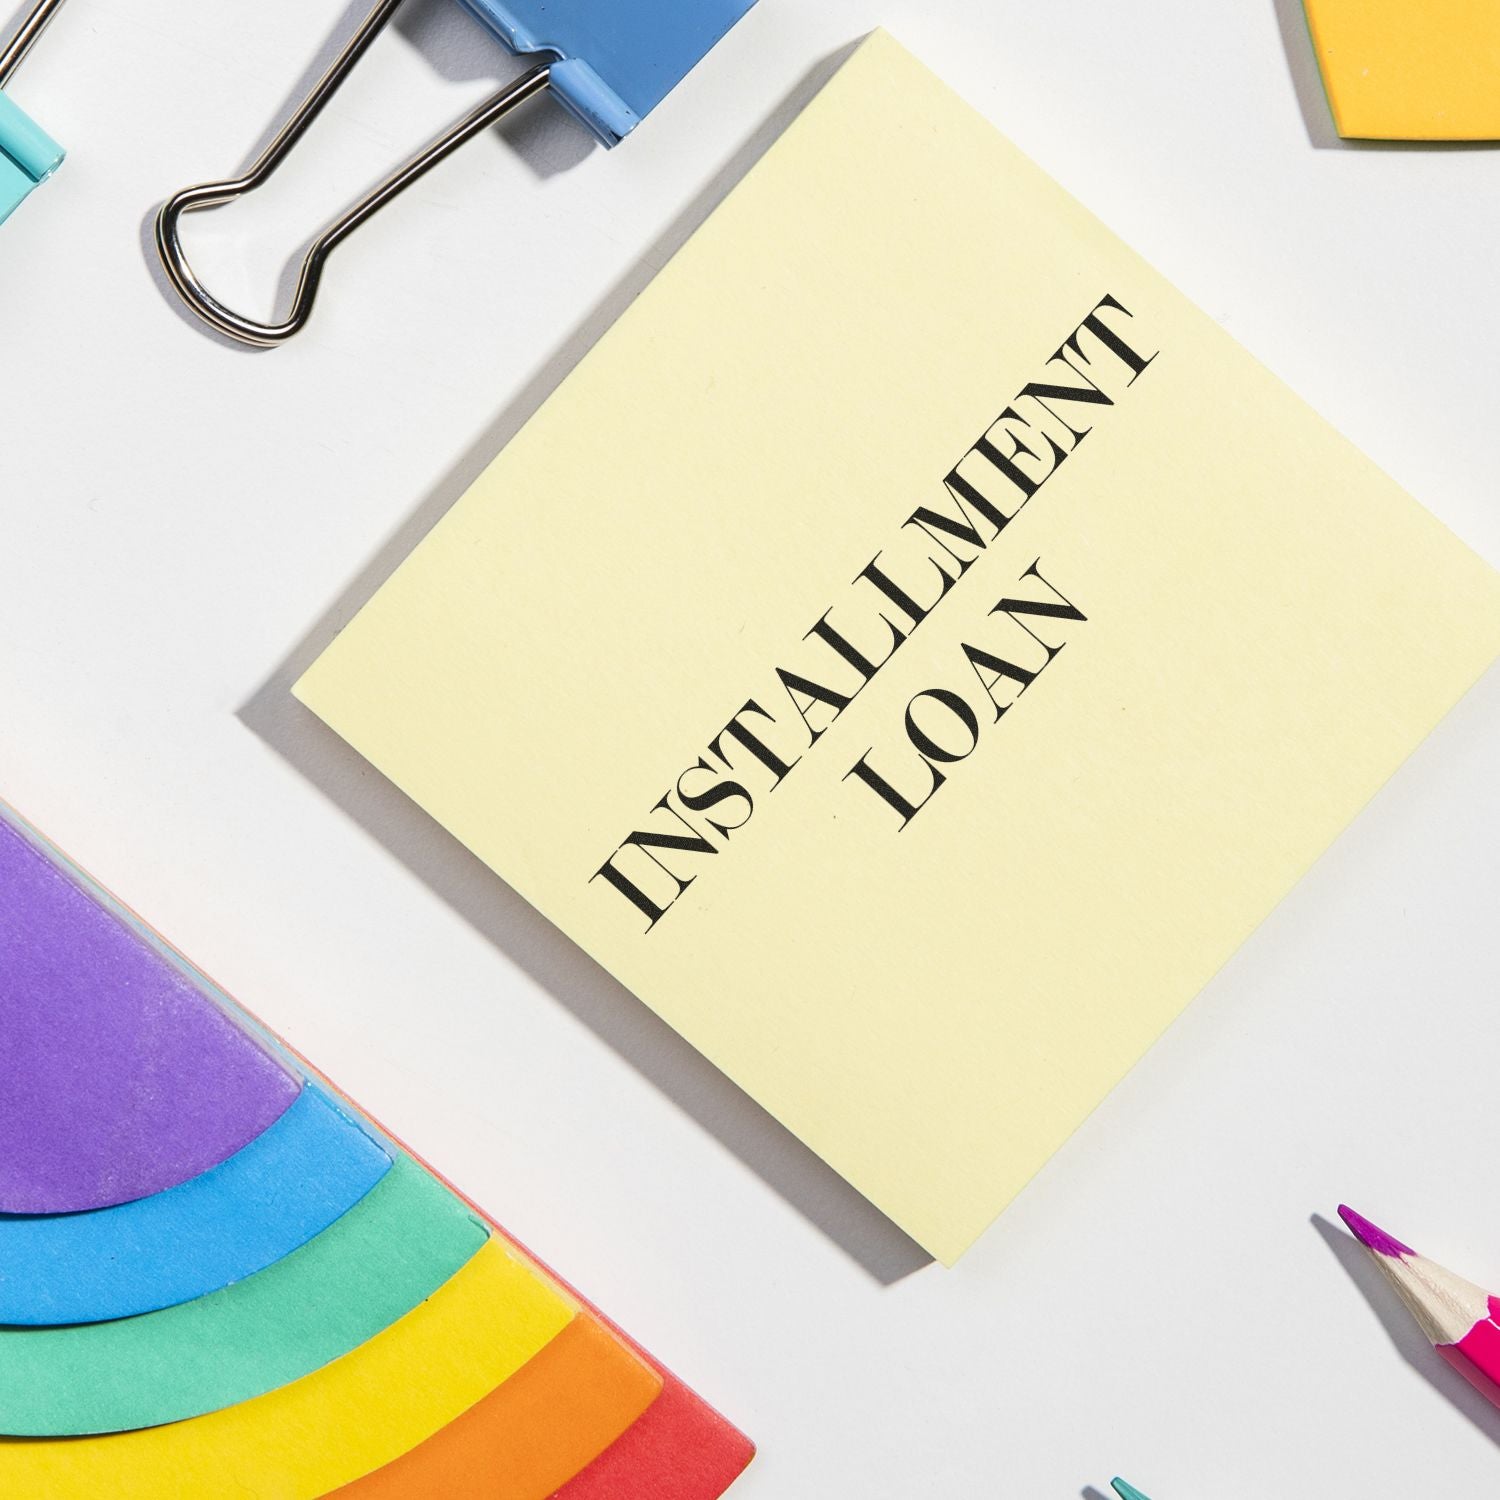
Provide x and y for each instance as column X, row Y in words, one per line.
column 25, row 38
column 213, row 194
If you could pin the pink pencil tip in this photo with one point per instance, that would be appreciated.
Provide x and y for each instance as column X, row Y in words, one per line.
column 1372, row 1236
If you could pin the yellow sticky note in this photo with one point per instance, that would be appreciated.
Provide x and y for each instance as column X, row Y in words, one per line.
column 310, row 1437
column 1410, row 69
column 913, row 649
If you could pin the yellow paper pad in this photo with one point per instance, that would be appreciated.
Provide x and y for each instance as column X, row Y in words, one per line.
column 1410, row 69
column 1194, row 631
column 312, row 1436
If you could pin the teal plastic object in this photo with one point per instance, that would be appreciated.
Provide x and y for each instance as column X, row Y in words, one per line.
column 28, row 155
column 616, row 59
column 1127, row 1491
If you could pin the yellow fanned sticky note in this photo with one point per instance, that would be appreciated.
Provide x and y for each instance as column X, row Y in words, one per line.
column 312, row 1436
column 913, row 649
column 1412, row 70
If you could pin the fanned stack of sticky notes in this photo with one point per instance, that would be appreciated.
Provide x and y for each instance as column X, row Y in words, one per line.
column 218, row 1278
column 28, row 156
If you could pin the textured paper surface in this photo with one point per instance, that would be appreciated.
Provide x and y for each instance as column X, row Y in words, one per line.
column 532, row 1434
column 120, row 1077
column 396, row 1246
column 1270, row 626
column 290, row 1183
column 681, row 1449
column 1398, row 71
column 318, row 1433
column 680, row 1446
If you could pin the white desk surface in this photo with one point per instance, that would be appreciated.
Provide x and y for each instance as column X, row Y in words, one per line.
column 185, row 524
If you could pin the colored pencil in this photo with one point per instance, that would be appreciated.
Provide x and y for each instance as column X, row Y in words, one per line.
column 1126, row 1491
column 1461, row 1320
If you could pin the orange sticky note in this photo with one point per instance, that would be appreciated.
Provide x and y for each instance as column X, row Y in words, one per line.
column 1415, row 70
column 681, row 1449
column 533, row 1432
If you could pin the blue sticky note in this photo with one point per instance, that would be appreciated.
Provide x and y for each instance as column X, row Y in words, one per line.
column 616, row 59
column 28, row 155
column 397, row 1246
column 289, row 1184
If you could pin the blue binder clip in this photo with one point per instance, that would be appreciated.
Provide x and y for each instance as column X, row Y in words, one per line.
column 609, row 62
column 28, row 155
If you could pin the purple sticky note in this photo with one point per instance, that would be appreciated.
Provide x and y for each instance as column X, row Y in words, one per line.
column 119, row 1076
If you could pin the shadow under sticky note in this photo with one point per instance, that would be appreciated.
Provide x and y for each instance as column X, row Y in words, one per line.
column 290, row 1183
column 121, row 1077
column 396, row 1246
column 1414, row 70
column 533, row 1433
column 310, row 1437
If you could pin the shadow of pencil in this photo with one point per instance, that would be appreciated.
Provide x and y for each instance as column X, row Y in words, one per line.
column 647, row 1043
column 1402, row 1330
column 1090, row 1493
column 1312, row 98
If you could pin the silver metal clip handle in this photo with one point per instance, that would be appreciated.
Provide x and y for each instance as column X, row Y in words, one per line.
column 25, row 38
column 213, row 194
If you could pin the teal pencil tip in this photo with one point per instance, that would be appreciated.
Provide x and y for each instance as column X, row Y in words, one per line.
column 1126, row 1491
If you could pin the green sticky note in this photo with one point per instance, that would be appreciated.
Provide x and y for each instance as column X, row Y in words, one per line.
column 391, row 1251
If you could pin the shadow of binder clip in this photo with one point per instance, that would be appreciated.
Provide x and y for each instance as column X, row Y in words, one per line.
column 608, row 62
column 28, row 155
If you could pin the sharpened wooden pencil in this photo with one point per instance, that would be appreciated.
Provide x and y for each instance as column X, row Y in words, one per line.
column 1461, row 1320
